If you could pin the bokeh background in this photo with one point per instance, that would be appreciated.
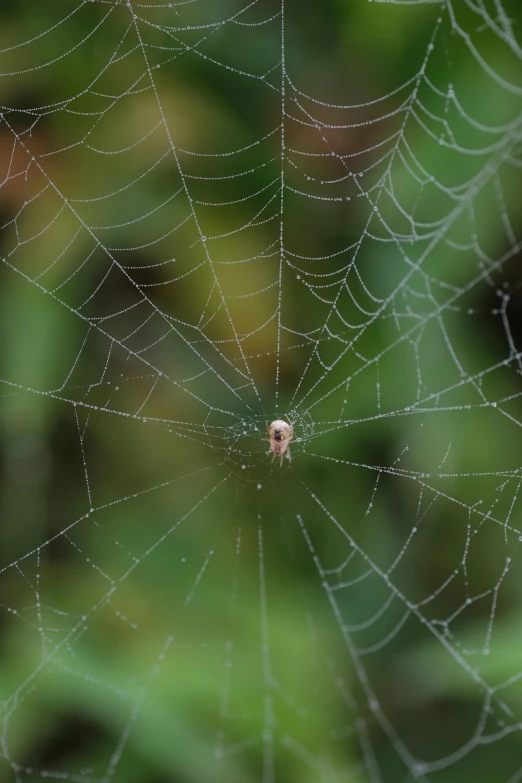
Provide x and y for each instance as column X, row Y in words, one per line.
column 175, row 608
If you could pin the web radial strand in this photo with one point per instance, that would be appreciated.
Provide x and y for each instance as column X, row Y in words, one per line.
column 218, row 214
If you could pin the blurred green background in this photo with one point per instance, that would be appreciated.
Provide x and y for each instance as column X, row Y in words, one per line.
column 173, row 607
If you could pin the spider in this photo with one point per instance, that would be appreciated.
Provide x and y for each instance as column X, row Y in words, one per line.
column 281, row 436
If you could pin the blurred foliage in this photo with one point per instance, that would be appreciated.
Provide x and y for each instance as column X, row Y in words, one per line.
column 163, row 618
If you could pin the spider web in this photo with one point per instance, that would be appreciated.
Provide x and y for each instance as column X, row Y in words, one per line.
column 182, row 265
